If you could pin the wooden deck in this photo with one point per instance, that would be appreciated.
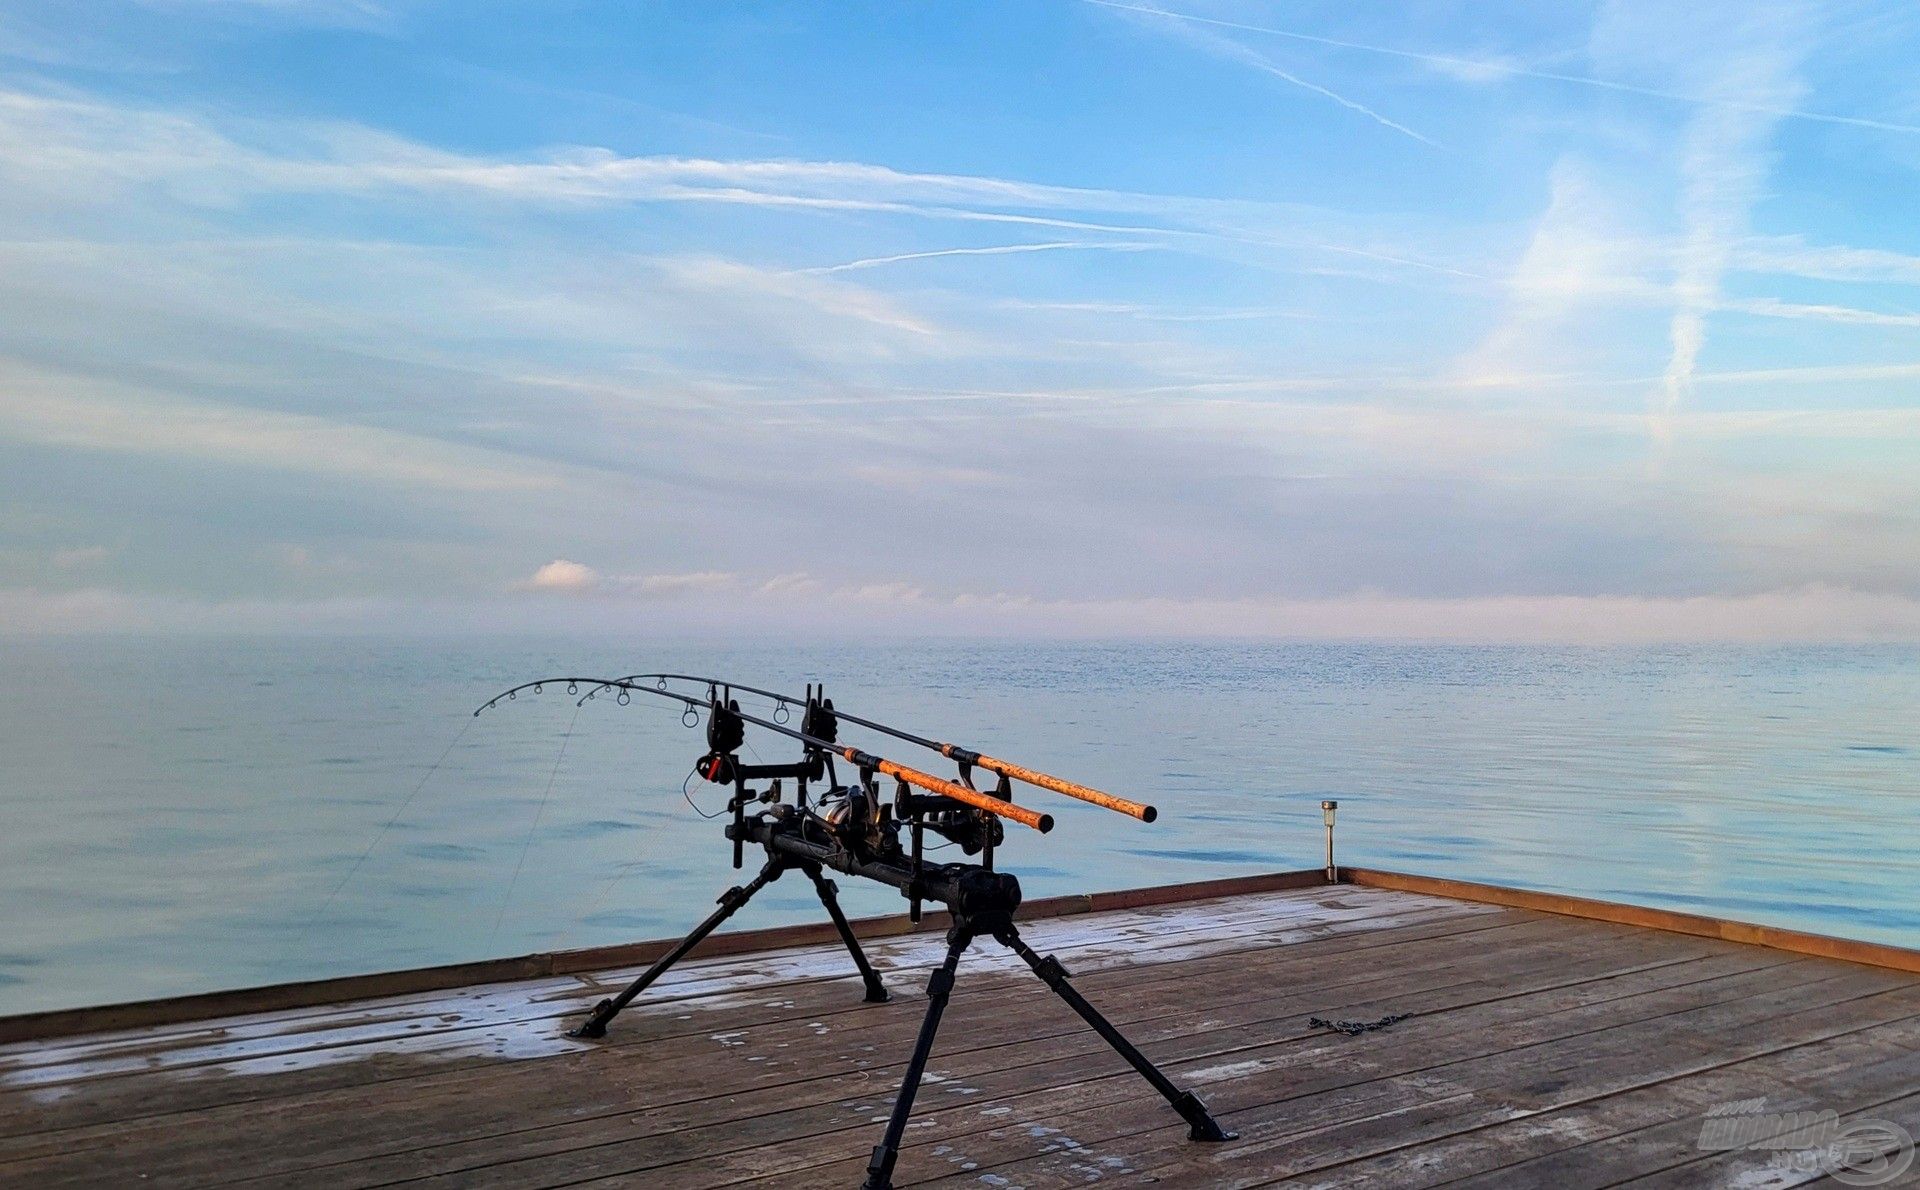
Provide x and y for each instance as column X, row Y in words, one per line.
column 1541, row 1050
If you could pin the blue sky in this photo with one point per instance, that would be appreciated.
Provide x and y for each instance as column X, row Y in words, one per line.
column 1566, row 322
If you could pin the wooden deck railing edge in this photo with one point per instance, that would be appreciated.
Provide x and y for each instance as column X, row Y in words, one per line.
column 1852, row 950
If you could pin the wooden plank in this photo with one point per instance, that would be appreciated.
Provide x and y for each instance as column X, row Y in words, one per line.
column 1799, row 1077
column 1277, row 1143
column 1767, row 1170
column 1215, row 1060
column 1525, row 1029
column 1545, row 1048
column 1168, row 934
column 207, row 1005
column 533, row 999
column 994, row 1047
column 1849, row 950
column 1878, row 1067
column 536, row 1094
column 44, row 1107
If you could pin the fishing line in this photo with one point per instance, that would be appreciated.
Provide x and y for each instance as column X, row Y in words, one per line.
column 689, row 796
column 607, row 886
column 568, row 933
column 408, row 801
column 526, row 844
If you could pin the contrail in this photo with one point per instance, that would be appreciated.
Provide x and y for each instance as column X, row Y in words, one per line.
column 1244, row 55
column 997, row 250
column 1585, row 80
column 1262, row 64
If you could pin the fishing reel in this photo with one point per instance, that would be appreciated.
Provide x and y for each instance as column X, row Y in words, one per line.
column 861, row 822
column 966, row 828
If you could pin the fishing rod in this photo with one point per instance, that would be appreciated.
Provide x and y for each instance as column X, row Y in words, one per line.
column 964, row 757
column 865, row 761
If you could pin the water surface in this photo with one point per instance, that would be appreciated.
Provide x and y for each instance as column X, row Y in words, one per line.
column 183, row 815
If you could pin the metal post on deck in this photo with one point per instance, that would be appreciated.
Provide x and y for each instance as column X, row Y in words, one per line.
column 1327, row 810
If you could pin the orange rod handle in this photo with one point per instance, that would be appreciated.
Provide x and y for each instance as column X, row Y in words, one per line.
column 1144, row 813
column 959, row 793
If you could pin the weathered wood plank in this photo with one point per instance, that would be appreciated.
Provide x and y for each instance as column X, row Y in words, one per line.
column 1462, row 1023
column 1854, row 1077
column 1545, row 1050
column 1782, row 1077
column 1035, row 1060
column 497, row 1100
column 292, row 998
column 301, row 1027
column 1451, row 1097
column 1141, row 933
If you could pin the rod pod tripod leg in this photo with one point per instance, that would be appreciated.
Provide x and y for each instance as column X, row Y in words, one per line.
column 730, row 903
column 939, row 988
column 876, row 991
column 1200, row 1123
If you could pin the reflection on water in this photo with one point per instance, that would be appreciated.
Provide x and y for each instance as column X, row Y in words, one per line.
column 186, row 815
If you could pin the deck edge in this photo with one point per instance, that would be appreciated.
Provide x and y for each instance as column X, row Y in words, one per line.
column 312, row 993
column 1873, row 954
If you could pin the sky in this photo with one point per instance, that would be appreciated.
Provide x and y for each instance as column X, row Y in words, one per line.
column 1483, row 321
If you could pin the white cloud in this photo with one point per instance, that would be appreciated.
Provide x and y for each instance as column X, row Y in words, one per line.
column 562, row 575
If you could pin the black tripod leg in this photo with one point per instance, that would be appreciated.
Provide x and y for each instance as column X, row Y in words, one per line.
column 939, row 987
column 876, row 991
column 730, row 902
column 1200, row 1124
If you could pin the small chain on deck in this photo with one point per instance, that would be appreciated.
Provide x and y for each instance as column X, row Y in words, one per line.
column 1356, row 1028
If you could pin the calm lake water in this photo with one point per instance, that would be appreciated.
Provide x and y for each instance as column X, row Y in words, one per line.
column 184, row 815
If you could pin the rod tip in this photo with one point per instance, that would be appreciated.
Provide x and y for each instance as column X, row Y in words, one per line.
column 1046, row 823
column 1148, row 813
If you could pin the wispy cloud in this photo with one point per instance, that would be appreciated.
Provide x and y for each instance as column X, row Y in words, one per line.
column 1724, row 164
column 1478, row 69
column 564, row 577
column 994, row 250
column 1818, row 312
column 1793, row 256
column 94, row 153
